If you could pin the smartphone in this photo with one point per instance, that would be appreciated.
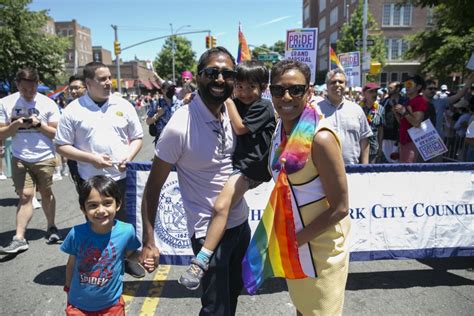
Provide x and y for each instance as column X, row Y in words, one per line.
column 28, row 120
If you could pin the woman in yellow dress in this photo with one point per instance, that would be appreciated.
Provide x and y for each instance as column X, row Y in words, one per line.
column 319, row 196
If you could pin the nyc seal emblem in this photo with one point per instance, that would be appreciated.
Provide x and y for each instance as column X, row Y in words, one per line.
column 171, row 220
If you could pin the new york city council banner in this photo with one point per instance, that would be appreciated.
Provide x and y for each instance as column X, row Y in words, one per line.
column 397, row 211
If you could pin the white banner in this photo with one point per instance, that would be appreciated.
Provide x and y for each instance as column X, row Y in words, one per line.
column 351, row 63
column 427, row 140
column 397, row 211
column 302, row 45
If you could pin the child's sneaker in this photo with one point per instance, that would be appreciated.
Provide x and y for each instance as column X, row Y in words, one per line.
column 191, row 278
column 2, row 175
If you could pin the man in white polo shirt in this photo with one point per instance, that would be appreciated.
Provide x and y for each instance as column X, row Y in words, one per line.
column 199, row 141
column 30, row 119
column 102, row 132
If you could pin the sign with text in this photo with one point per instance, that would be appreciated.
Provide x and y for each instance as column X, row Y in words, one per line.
column 360, row 43
column 302, row 45
column 351, row 63
column 427, row 140
column 418, row 211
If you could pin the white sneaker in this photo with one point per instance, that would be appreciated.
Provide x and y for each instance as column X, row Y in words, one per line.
column 3, row 176
column 57, row 177
column 36, row 203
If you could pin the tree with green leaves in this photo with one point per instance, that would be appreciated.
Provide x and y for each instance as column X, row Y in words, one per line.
column 24, row 44
column 352, row 31
column 184, row 58
column 447, row 46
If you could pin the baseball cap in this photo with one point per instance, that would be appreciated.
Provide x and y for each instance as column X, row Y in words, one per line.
column 370, row 86
column 444, row 87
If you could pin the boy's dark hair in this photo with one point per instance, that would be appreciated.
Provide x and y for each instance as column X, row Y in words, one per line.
column 104, row 185
column 287, row 64
column 213, row 51
column 90, row 68
column 76, row 77
column 28, row 74
column 253, row 71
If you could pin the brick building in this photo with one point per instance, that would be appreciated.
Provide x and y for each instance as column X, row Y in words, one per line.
column 80, row 52
column 394, row 21
column 102, row 55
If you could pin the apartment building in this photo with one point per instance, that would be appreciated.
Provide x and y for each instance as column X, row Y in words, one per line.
column 395, row 22
column 80, row 52
column 102, row 55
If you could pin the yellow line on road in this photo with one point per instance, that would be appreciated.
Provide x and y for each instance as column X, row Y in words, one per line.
column 131, row 288
column 154, row 291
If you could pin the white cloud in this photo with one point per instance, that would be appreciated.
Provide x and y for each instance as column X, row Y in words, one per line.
column 274, row 21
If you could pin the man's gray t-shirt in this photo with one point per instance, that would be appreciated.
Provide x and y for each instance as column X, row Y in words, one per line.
column 201, row 148
column 350, row 123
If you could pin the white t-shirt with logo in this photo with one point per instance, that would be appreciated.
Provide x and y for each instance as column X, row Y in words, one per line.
column 30, row 145
column 108, row 129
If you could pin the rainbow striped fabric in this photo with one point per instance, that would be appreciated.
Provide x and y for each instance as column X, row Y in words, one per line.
column 273, row 250
column 333, row 60
column 244, row 52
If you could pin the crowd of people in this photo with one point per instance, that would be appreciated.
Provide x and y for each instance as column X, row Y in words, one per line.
column 223, row 138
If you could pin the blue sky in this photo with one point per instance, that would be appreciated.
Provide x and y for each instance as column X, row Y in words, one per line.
column 263, row 21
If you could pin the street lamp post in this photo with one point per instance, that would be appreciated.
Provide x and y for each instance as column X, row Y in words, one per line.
column 173, row 49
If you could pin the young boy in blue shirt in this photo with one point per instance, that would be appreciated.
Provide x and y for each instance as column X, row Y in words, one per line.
column 97, row 251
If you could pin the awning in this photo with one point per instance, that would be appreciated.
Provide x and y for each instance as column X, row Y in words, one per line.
column 129, row 84
column 155, row 84
column 147, row 84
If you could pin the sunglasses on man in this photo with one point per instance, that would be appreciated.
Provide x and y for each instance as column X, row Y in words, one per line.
column 295, row 91
column 213, row 73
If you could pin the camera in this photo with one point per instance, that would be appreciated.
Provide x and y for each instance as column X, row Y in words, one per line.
column 28, row 120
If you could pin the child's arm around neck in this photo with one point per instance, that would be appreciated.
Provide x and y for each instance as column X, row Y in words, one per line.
column 235, row 119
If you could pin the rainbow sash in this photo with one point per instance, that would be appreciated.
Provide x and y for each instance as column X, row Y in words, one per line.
column 273, row 250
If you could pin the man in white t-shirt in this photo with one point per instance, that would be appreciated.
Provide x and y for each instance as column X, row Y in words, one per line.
column 199, row 141
column 102, row 132
column 30, row 119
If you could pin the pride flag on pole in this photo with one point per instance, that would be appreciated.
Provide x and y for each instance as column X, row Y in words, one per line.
column 244, row 52
column 333, row 60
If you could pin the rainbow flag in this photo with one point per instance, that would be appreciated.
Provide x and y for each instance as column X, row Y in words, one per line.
column 333, row 60
column 57, row 93
column 273, row 250
column 244, row 52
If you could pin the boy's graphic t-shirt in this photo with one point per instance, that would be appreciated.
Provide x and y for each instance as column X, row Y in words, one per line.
column 97, row 279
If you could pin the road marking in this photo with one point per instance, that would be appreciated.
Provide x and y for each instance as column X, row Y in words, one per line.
column 131, row 288
column 154, row 291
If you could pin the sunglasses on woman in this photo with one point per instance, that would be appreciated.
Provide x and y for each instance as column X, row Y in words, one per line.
column 296, row 91
column 213, row 73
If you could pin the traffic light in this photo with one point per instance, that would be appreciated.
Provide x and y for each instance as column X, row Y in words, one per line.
column 208, row 41
column 213, row 44
column 117, row 49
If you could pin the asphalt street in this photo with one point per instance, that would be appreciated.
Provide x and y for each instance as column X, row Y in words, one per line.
column 32, row 282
